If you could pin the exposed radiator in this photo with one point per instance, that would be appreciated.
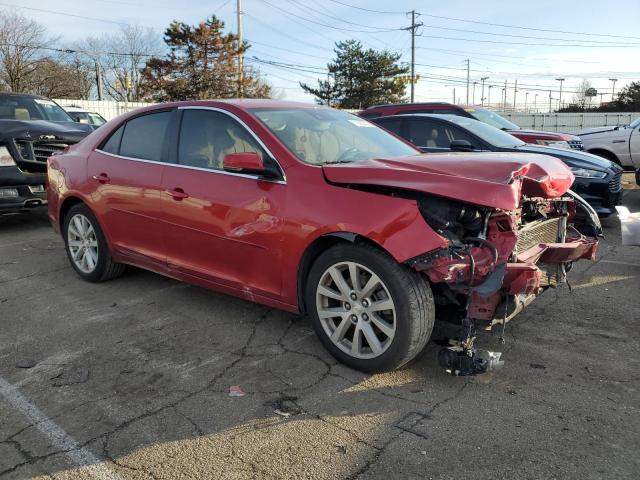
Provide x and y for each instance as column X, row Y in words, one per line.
column 539, row 231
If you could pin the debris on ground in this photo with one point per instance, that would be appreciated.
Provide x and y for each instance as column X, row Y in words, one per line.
column 341, row 449
column 26, row 363
column 70, row 376
column 537, row 365
column 284, row 406
column 236, row 391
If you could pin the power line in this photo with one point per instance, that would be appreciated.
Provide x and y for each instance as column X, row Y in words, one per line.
column 527, row 44
column 367, row 9
column 478, row 22
column 66, row 14
column 526, row 36
column 381, row 30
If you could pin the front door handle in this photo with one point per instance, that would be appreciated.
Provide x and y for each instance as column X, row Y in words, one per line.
column 177, row 194
column 102, row 178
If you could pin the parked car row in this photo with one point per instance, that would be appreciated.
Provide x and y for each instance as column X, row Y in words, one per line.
column 318, row 211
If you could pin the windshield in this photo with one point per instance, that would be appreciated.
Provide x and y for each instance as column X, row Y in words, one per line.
column 635, row 123
column 324, row 135
column 491, row 118
column 492, row 135
column 16, row 107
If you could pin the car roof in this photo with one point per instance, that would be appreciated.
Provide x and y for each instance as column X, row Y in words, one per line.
column 28, row 95
column 438, row 116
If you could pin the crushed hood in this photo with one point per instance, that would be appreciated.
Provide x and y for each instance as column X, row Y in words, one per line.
column 494, row 180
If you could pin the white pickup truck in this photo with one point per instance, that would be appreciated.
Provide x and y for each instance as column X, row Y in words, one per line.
column 618, row 144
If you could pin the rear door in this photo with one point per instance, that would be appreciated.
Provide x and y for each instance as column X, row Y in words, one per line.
column 634, row 146
column 126, row 172
column 222, row 227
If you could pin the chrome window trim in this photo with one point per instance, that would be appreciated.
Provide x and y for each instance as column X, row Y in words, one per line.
column 188, row 167
column 246, row 127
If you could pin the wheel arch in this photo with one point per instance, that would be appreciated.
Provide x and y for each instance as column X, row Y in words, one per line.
column 65, row 206
column 320, row 245
column 603, row 152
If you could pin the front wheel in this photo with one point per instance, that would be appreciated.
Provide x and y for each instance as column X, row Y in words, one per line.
column 87, row 247
column 369, row 311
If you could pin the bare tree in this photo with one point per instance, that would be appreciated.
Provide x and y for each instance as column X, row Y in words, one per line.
column 59, row 78
column 21, row 42
column 580, row 98
column 121, row 57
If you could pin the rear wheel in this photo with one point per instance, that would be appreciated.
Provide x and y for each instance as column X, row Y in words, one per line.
column 86, row 246
column 370, row 312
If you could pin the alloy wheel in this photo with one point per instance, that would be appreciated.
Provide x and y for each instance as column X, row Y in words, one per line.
column 356, row 310
column 82, row 243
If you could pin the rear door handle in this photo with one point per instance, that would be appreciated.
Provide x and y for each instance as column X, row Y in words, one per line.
column 102, row 178
column 177, row 194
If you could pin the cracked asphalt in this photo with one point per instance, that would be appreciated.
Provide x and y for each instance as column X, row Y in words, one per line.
column 130, row 380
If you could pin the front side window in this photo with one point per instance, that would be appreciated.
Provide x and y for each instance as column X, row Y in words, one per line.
column 392, row 124
column 207, row 136
column 143, row 136
column 323, row 135
column 112, row 145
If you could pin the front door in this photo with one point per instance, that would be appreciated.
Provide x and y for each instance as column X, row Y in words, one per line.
column 127, row 175
column 220, row 226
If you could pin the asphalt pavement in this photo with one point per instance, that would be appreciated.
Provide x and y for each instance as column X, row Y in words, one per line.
column 130, row 379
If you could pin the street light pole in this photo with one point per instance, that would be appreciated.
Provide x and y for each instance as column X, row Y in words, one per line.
column 560, row 99
column 549, row 101
column 535, row 103
column 613, row 88
column 489, row 96
column 468, row 62
column 482, row 97
column 526, row 97
column 474, row 92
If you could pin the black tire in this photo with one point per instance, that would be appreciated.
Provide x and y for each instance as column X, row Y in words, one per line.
column 409, row 290
column 105, row 268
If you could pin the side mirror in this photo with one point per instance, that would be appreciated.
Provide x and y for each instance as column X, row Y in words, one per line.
column 461, row 146
column 245, row 162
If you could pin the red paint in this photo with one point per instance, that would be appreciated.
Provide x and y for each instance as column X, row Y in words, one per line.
column 247, row 236
column 488, row 179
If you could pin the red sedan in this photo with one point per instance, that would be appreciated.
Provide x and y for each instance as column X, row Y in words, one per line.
column 318, row 211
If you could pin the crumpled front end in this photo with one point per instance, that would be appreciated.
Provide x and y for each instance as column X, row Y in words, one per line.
column 499, row 261
column 493, row 273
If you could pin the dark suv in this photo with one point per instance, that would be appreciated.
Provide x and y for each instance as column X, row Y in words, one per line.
column 32, row 128
column 549, row 139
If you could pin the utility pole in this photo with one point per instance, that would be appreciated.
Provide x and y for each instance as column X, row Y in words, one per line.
column 560, row 99
column 468, row 62
column 526, row 97
column 549, row 101
column 504, row 93
column 240, row 50
column 98, row 80
column 482, row 79
column 489, row 96
column 515, row 90
column 414, row 26
column 613, row 89
column 454, row 94
column 535, row 103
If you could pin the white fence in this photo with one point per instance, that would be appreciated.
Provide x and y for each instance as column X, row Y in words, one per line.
column 569, row 122
column 551, row 122
column 107, row 108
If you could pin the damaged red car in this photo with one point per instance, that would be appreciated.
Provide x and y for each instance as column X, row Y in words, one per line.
column 314, row 210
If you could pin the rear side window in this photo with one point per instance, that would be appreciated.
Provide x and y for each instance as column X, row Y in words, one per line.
column 206, row 137
column 112, row 145
column 143, row 136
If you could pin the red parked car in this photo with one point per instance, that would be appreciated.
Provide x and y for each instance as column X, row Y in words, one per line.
column 310, row 209
column 551, row 139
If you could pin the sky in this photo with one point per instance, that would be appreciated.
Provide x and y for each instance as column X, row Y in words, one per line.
column 533, row 43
